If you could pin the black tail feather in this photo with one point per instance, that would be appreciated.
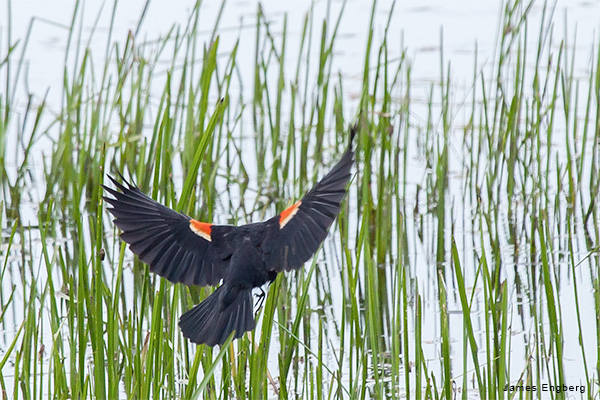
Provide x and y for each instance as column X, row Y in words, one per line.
column 223, row 312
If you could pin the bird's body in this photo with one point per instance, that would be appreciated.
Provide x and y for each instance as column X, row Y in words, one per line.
column 250, row 270
column 185, row 250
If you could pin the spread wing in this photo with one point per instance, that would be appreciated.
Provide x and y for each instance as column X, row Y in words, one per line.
column 295, row 235
column 174, row 245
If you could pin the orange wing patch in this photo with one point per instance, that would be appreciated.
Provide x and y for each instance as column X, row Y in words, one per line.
column 201, row 229
column 287, row 214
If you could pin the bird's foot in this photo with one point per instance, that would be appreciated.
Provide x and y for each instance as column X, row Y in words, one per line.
column 261, row 300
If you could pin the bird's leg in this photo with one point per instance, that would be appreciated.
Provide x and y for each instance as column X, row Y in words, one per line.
column 261, row 300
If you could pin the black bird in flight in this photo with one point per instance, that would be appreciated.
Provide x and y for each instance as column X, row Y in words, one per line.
column 185, row 250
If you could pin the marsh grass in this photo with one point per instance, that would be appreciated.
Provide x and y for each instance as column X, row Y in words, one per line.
column 476, row 270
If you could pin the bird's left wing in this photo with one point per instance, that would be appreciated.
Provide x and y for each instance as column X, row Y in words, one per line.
column 293, row 236
column 174, row 245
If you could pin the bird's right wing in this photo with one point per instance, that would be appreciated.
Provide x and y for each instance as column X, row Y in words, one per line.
column 296, row 233
column 174, row 245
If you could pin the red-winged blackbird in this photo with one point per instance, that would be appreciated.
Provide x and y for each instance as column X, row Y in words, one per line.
column 184, row 250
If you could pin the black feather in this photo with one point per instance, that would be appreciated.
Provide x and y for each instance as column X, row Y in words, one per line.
column 213, row 320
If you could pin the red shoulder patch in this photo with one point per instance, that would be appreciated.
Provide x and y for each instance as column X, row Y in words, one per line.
column 201, row 229
column 287, row 214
